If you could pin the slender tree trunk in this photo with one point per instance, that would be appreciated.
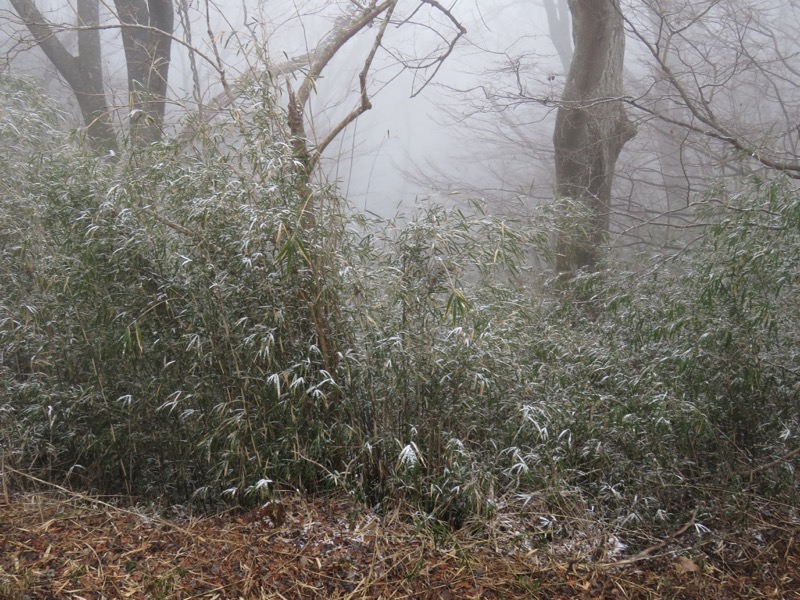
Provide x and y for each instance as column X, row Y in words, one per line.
column 147, row 54
column 558, row 24
column 591, row 129
column 83, row 73
column 670, row 145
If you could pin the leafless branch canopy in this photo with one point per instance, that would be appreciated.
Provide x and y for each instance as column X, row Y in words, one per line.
column 723, row 75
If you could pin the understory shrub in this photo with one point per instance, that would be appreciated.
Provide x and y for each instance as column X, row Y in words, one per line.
column 200, row 322
column 675, row 386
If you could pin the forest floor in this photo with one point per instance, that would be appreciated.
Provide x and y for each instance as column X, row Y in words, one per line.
column 67, row 545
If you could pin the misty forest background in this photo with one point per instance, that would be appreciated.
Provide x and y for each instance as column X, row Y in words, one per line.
column 447, row 255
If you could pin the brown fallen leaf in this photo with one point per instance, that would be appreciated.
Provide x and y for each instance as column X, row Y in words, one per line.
column 275, row 511
column 685, row 565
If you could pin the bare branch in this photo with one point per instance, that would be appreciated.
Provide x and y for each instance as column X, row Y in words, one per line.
column 365, row 104
column 461, row 31
column 702, row 111
column 328, row 50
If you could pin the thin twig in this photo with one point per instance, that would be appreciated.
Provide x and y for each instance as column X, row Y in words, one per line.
column 645, row 554
column 773, row 463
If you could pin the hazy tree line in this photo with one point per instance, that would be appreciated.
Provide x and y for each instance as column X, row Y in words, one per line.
column 190, row 309
column 702, row 104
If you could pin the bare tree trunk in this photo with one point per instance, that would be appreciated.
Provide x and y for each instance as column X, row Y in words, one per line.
column 558, row 25
column 591, row 129
column 147, row 54
column 83, row 73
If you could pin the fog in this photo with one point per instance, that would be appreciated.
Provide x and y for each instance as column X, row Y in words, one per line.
column 477, row 125
column 417, row 141
column 602, row 339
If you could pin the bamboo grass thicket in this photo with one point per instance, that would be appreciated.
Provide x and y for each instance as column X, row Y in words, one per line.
column 171, row 329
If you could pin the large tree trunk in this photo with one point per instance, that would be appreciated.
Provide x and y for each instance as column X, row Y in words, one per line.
column 147, row 54
column 591, row 129
column 83, row 73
